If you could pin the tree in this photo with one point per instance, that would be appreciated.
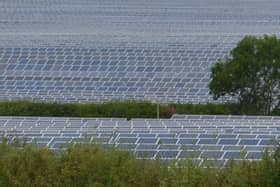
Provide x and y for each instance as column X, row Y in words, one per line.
column 251, row 73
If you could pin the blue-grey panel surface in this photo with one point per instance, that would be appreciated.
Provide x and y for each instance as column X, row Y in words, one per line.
column 97, row 51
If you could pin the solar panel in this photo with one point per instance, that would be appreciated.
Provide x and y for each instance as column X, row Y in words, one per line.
column 208, row 141
column 145, row 154
column 228, row 141
column 248, row 142
column 254, row 155
column 148, row 140
column 233, row 155
column 170, row 154
column 212, row 154
column 189, row 154
column 187, row 141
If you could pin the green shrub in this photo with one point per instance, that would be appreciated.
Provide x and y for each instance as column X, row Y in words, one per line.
column 90, row 165
column 276, row 111
column 208, row 109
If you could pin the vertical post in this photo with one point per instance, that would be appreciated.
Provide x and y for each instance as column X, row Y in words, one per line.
column 157, row 110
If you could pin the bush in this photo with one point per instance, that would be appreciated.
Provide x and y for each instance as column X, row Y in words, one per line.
column 89, row 165
column 207, row 109
column 276, row 112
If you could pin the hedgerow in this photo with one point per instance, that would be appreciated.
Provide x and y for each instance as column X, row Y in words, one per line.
column 129, row 109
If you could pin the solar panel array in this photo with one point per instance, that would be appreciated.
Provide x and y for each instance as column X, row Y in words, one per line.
column 95, row 51
column 217, row 138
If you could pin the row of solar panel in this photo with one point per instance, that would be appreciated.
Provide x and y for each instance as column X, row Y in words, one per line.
column 113, row 59
column 176, row 118
column 132, row 25
column 61, row 85
column 106, row 76
column 105, row 60
column 101, row 44
column 153, row 151
column 223, row 118
column 90, row 79
column 142, row 28
column 161, row 137
column 215, row 137
column 171, row 49
column 179, row 129
column 173, row 124
column 11, row 23
column 171, row 129
column 100, row 98
column 222, row 144
column 23, row 89
column 169, row 151
column 168, row 125
column 65, row 70
column 175, row 55
column 177, row 143
column 163, row 10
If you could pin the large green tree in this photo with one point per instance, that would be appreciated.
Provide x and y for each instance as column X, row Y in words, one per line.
column 251, row 73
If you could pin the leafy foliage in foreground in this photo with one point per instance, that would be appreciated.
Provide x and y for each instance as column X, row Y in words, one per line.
column 89, row 165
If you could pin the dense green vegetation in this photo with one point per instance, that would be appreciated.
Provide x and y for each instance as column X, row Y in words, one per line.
column 115, row 109
column 251, row 73
column 207, row 109
column 89, row 165
column 276, row 112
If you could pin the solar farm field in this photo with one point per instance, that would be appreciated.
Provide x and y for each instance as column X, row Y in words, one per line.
column 99, row 51
column 62, row 62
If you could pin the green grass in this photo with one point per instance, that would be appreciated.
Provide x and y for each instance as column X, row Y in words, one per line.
column 89, row 165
